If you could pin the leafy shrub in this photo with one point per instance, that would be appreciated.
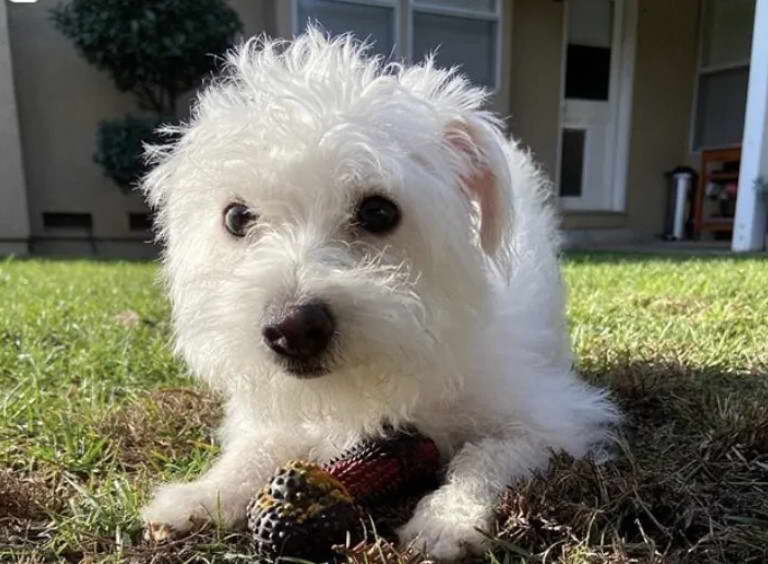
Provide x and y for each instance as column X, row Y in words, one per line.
column 119, row 148
column 155, row 49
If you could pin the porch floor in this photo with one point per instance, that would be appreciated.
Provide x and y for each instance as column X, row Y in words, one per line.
column 682, row 248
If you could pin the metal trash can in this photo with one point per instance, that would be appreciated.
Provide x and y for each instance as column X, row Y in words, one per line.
column 681, row 181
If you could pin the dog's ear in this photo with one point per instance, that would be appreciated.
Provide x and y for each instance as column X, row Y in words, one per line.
column 485, row 178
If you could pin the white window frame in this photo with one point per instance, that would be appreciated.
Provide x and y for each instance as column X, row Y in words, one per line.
column 702, row 70
column 403, row 22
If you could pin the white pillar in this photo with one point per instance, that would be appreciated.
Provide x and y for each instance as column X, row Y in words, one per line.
column 14, row 217
column 750, row 222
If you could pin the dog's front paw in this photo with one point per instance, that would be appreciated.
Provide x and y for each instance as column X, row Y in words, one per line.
column 176, row 508
column 444, row 528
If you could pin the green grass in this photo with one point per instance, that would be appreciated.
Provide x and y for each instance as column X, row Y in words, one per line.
column 89, row 390
column 707, row 313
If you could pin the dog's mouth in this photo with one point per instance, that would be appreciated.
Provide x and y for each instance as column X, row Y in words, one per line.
column 305, row 370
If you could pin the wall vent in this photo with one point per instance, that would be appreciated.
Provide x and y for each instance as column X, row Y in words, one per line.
column 140, row 221
column 64, row 220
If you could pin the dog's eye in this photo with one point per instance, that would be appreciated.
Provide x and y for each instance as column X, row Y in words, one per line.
column 237, row 219
column 377, row 214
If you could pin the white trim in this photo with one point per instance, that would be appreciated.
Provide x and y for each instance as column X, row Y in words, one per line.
column 624, row 109
column 714, row 69
column 467, row 13
column 406, row 23
column 468, row 9
column 621, row 96
column 750, row 221
column 294, row 18
column 561, row 107
column 374, row 3
column 696, row 77
column 14, row 210
column 500, row 29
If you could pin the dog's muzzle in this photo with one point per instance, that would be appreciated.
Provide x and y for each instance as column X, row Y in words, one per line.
column 300, row 335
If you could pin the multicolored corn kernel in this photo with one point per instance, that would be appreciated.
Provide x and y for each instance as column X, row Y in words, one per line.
column 306, row 509
column 303, row 511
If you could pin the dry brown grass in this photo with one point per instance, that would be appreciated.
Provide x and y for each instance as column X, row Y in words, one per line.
column 687, row 484
column 23, row 496
column 26, row 501
column 161, row 424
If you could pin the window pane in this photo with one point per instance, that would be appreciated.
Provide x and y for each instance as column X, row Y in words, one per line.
column 587, row 73
column 727, row 31
column 590, row 22
column 721, row 107
column 588, row 58
column 572, row 162
column 374, row 23
column 465, row 42
column 475, row 5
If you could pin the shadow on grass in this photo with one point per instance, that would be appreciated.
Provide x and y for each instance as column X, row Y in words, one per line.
column 688, row 482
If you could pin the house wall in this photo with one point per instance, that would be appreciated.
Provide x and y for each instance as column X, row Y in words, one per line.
column 61, row 99
column 535, row 69
column 14, row 221
column 665, row 73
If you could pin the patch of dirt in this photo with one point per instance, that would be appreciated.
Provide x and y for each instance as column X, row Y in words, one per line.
column 26, row 501
column 671, row 306
column 24, row 497
column 127, row 318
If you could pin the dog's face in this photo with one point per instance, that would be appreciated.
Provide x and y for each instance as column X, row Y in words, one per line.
column 330, row 230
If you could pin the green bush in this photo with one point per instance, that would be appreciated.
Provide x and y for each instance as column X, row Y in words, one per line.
column 119, row 148
column 155, row 49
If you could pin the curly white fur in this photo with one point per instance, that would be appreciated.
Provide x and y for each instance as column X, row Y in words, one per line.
column 453, row 323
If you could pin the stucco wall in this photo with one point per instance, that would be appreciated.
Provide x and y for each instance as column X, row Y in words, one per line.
column 665, row 73
column 61, row 99
column 594, row 220
column 535, row 68
column 14, row 221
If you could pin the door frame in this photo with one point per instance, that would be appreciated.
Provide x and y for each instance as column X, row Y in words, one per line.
column 621, row 110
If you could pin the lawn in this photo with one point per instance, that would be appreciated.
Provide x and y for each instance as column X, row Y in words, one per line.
column 94, row 408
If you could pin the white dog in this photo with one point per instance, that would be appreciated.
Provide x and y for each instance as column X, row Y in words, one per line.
column 352, row 245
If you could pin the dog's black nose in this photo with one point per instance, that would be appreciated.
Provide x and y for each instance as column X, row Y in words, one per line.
column 301, row 332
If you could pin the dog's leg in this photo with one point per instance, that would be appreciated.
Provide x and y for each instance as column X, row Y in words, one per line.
column 446, row 522
column 221, row 494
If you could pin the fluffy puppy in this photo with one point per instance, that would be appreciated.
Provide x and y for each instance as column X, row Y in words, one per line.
column 349, row 245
